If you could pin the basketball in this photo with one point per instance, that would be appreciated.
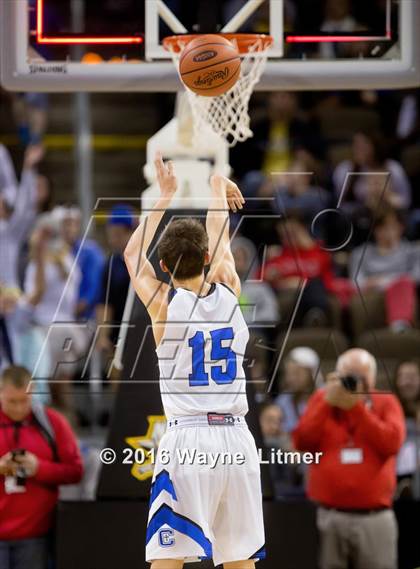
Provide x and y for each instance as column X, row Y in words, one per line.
column 210, row 65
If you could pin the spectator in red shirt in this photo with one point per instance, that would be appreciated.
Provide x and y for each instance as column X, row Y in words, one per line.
column 359, row 434
column 301, row 257
column 38, row 453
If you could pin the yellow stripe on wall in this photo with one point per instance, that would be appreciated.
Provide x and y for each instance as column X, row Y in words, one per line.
column 99, row 141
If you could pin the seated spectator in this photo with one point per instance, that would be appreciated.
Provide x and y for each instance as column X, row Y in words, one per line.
column 38, row 453
column 337, row 18
column 292, row 188
column 295, row 190
column 17, row 214
column 389, row 266
column 284, row 127
column 301, row 373
column 64, row 343
column 43, row 203
column 90, row 260
column 258, row 302
column 272, row 427
column 286, row 478
column 21, row 307
column 301, row 258
column 407, row 386
column 8, row 181
column 258, row 358
column 260, row 309
column 353, row 178
column 115, row 279
column 360, row 433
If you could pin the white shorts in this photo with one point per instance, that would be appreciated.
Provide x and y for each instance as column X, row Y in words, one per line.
column 200, row 510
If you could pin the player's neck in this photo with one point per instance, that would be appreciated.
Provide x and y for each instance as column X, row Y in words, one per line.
column 198, row 284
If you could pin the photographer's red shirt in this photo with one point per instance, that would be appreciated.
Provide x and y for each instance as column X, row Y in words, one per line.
column 30, row 514
column 376, row 429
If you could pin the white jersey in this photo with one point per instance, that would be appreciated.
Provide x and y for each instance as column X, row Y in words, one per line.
column 201, row 354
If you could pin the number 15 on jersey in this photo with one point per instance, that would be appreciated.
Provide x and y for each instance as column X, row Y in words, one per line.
column 221, row 374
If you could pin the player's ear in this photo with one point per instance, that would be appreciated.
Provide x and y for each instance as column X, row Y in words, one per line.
column 163, row 266
column 207, row 258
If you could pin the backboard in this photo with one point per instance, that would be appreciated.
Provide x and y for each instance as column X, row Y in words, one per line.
column 50, row 45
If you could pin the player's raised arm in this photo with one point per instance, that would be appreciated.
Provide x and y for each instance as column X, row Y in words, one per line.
column 225, row 194
column 150, row 290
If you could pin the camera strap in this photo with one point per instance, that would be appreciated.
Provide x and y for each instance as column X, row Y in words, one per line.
column 43, row 422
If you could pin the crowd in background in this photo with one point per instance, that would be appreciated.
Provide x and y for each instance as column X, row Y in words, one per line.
column 305, row 201
column 51, row 273
column 333, row 222
column 332, row 218
column 327, row 246
column 342, row 225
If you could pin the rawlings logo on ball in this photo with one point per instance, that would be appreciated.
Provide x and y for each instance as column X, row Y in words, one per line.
column 205, row 55
column 211, row 76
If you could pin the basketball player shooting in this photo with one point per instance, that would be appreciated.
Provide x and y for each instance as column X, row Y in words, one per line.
column 206, row 497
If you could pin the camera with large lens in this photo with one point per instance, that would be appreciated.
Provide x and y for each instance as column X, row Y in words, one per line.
column 350, row 382
column 20, row 472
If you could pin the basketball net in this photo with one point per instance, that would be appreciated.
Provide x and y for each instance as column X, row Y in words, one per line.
column 227, row 115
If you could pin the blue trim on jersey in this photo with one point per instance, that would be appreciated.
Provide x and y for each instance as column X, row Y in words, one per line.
column 166, row 516
column 211, row 290
column 162, row 482
column 171, row 294
column 260, row 554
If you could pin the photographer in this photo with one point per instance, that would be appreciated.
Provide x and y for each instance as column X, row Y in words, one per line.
column 38, row 452
column 360, row 432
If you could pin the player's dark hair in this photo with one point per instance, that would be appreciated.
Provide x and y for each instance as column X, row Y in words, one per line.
column 183, row 247
column 17, row 376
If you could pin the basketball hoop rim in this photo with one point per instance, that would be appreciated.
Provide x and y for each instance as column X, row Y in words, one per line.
column 245, row 42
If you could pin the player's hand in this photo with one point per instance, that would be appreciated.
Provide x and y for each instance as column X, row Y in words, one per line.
column 234, row 196
column 166, row 176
